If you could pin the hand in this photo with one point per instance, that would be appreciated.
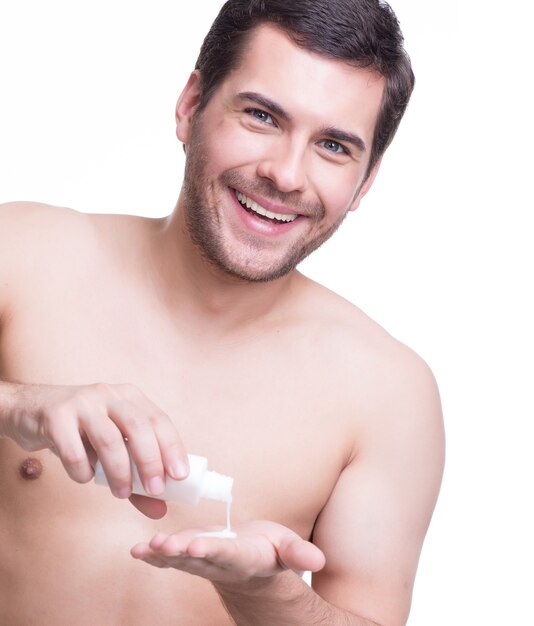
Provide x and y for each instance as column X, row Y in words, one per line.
column 260, row 550
column 82, row 423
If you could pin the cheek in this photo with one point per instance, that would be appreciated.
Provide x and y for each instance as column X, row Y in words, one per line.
column 336, row 190
column 231, row 145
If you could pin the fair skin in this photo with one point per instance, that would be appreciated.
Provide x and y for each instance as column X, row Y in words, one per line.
column 331, row 429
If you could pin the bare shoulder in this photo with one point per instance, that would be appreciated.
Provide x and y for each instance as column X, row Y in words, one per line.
column 35, row 237
column 388, row 384
column 386, row 492
column 24, row 224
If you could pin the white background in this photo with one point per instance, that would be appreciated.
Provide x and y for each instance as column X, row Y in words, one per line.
column 439, row 252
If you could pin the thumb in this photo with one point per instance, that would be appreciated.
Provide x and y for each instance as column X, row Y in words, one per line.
column 300, row 555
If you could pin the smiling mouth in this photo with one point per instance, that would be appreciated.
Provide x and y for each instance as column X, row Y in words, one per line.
column 260, row 212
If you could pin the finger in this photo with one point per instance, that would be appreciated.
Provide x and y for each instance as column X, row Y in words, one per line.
column 201, row 567
column 140, row 550
column 180, row 561
column 162, row 546
column 156, row 561
column 299, row 555
column 107, row 440
column 134, row 424
column 67, row 444
column 172, row 545
column 143, row 552
column 152, row 508
column 217, row 559
column 172, row 450
column 158, row 540
column 91, row 453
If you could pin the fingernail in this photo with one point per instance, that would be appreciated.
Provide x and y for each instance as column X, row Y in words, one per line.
column 123, row 492
column 179, row 469
column 156, row 486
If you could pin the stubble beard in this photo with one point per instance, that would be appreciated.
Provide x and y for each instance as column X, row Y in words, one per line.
column 202, row 220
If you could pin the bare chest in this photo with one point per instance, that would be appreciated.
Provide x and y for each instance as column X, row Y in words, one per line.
column 257, row 406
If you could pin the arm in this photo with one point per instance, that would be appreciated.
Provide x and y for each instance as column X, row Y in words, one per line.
column 371, row 530
column 77, row 423
column 82, row 423
column 254, row 574
column 285, row 599
column 374, row 524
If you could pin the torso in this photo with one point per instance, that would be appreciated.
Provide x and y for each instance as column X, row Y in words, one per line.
column 268, row 408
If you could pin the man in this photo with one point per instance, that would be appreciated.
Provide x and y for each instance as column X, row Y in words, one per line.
column 209, row 340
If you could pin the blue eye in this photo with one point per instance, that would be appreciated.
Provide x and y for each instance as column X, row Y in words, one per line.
column 260, row 115
column 334, row 146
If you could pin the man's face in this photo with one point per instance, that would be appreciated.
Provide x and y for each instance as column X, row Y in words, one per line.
column 277, row 157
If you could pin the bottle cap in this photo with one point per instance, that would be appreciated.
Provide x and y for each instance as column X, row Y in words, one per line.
column 217, row 486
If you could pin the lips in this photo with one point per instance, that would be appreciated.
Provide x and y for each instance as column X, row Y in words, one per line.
column 253, row 207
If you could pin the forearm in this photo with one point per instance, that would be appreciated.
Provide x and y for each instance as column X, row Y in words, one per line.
column 8, row 393
column 284, row 599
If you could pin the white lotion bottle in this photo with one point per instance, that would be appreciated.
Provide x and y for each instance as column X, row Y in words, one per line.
column 200, row 483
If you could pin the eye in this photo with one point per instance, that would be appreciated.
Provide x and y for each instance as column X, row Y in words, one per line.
column 334, row 146
column 260, row 115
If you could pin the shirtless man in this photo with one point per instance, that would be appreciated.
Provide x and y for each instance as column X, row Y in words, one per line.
column 196, row 333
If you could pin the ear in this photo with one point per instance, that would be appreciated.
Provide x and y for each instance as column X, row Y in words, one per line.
column 367, row 184
column 186, row 106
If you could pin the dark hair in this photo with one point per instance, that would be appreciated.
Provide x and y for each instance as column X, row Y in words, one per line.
column 363, row 33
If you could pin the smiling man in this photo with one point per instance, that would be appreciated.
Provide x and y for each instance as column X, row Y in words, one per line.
column 209, row 340
column 288, row 160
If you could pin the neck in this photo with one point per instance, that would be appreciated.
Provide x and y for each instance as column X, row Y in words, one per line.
column 194, row 286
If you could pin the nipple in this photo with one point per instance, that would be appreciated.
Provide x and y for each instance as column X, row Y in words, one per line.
column 31, row 469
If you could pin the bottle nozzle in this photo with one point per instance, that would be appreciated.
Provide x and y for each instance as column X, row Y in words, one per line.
column 217, row 486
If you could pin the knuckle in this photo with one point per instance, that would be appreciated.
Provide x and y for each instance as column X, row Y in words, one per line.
column 49, row 422
column 158, row 417
column 74, row 458
column 133, row 422
column 44, row 423
column 151, row 464
column 129, row 390
column 55, row 412
column 45, row 434
column 108, row 439
column 84, row 403
column 102, row 389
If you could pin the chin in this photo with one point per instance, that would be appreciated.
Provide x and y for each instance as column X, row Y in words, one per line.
column 253, row 270
column 253, row 274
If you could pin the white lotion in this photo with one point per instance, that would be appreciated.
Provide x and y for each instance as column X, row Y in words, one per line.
column 221, row 534
column 227, row 533
column 200, row 483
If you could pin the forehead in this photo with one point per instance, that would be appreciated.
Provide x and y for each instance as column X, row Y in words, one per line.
column 308, row 85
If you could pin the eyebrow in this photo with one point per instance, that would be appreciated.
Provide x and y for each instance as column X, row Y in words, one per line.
column 345, row 137
column 266, row 103
column 331, row 131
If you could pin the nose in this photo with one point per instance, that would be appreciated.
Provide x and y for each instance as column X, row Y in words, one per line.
column 285, row 164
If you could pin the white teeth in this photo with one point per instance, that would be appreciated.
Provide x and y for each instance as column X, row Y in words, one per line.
column 254, row 206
